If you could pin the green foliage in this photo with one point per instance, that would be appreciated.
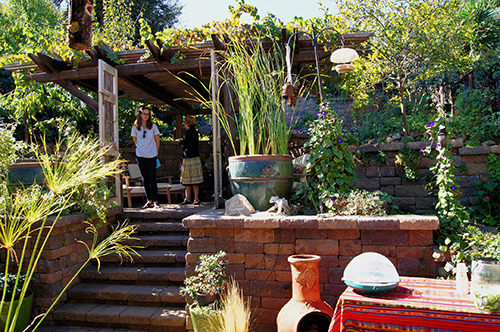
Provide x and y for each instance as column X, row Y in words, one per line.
column 117, row 27
column 470, row 108
column 382, row 158
column 359, row 202
column 362, row 157
column 9, row 149
column 463, row 168
column 375, row 116
column 483, row 26
column 487, row 195
column 332, row 167
column 157, row 14
column 472, row 243
column 210, row 310
column 450, row 211
column 210, row 277
column 408, row 160
column 257, row 77
column 415, row 39
column 13, row 286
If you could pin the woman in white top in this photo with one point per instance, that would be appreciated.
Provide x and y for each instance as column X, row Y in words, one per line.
column 146, row 138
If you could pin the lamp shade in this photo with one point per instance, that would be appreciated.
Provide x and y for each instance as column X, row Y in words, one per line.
column 344, row 68
column 344, row 55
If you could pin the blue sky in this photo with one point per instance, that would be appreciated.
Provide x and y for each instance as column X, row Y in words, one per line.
column 199, row 12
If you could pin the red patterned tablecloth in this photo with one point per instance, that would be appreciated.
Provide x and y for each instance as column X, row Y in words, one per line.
column 416, row 305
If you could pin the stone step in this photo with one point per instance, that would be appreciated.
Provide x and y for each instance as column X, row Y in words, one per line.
column 160, row 227
column 150, row 257
column 134, row 275
column 148, row 318
column 127, row 294
column 168, row 212
column 160, row 241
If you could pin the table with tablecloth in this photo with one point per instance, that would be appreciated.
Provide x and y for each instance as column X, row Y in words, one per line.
column 416, row 305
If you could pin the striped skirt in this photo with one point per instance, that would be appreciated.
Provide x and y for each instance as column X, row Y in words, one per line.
column 191, row 171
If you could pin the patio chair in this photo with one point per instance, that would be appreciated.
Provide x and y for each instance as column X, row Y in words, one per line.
column 133, row 186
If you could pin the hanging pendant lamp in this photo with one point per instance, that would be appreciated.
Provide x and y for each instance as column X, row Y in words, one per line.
column 343, row 57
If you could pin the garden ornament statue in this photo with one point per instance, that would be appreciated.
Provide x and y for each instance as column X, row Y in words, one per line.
column 280, row 206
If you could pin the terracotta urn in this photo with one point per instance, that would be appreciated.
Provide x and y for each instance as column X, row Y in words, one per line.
column 305, row 311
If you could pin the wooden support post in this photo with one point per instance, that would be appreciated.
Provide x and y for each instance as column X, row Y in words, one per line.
column 80, row 24
column 217, row 152
column 178, row 127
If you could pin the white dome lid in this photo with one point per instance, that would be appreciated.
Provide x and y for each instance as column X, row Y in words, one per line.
column 371, row 268
column 344, row 55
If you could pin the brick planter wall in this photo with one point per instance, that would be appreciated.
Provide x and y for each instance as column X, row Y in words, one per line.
column 258, row 248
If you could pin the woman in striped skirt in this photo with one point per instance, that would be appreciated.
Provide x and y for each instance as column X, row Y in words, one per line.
column 191, row 171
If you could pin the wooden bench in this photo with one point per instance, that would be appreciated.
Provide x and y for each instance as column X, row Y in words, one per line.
column 130, row 190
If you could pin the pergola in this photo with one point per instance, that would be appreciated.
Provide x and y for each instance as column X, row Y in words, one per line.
column 150, row 76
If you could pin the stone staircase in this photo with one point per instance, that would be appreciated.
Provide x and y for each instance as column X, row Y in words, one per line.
column 138, row 295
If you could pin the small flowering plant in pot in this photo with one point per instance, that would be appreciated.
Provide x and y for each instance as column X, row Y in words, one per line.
column 209, row 280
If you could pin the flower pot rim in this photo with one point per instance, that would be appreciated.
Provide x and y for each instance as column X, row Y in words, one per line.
column 303, row 258
column 279, row 157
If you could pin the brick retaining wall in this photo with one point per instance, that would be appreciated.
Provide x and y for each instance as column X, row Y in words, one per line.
column 258, row 248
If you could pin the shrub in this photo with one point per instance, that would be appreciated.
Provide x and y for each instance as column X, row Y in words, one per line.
column 331, row 164
column 359, row 202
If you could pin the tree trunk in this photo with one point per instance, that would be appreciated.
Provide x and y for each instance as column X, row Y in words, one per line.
column 80, row 24
column 403, row 111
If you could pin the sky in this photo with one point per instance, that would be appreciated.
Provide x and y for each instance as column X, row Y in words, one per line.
column 198, row 12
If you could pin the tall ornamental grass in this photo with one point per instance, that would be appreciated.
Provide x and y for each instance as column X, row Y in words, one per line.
column 256, row 76
column 28, row 211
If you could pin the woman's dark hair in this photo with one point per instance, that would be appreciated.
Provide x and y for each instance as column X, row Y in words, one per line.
column 138, row 120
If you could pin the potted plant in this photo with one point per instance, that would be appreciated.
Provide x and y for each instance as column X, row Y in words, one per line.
column 263, row 167
column 11, row 289
column 259, row 133
column 209, row 281
column 203, row 289
column 231, row 314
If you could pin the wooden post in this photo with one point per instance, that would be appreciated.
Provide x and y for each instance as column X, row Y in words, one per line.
column 80, row 24
column 217, row 153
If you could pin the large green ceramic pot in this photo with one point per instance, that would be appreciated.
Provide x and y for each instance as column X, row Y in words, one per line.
column 25, row 173
column 259, row 177
column 24, row 317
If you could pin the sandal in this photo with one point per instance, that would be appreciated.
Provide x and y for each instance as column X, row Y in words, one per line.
column 156, row 205
column 196, row 202
column 147, row 205
column 185, row 202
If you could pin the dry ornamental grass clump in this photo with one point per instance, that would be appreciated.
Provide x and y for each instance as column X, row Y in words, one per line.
column 235, row 313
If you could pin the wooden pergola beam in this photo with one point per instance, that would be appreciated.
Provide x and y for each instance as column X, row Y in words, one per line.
column 89, row 101
column 195, row 83
column 54, row 64
column 157, row 91
column 156, row 52
column 41, row 64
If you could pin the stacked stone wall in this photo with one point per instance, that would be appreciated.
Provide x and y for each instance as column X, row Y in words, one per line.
column 412, row 196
